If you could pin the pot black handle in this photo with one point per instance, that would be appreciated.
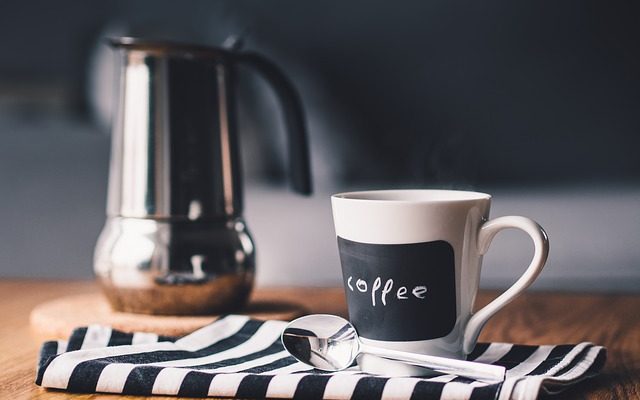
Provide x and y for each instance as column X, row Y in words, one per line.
column 297, row 143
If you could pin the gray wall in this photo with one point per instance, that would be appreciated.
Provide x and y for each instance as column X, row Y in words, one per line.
column 534, row 101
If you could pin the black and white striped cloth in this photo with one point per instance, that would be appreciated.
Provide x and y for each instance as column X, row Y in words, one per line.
column 240, row 357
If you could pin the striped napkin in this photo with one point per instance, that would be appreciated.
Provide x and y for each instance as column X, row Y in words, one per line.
column 236, row 356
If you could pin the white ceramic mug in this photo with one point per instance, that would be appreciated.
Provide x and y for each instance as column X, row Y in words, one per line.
column 411, row 264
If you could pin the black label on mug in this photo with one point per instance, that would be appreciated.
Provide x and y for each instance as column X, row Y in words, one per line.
column 399, row 292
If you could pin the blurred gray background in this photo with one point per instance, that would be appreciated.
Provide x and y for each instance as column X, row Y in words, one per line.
column 533, row 101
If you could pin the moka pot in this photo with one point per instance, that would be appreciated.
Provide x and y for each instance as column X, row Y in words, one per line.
column 175, row 241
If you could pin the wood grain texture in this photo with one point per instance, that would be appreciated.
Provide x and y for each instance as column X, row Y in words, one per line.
column 56, row 319
column 535, row 318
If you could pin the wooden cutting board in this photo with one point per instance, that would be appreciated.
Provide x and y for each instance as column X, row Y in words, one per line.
column 55, row 319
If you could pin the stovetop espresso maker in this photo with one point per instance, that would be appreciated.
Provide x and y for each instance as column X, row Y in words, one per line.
column 175, row 241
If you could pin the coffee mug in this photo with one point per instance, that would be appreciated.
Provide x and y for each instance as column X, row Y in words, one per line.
column 411, row 264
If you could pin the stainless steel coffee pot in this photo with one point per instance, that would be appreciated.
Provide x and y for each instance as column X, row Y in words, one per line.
column 175, row 241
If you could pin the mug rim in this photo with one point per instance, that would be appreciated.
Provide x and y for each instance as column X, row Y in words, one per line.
column 411, row 196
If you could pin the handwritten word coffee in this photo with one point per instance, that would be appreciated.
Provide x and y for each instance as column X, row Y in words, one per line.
column 376, row 289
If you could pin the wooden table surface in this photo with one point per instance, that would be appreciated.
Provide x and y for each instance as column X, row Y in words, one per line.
column 534, row 318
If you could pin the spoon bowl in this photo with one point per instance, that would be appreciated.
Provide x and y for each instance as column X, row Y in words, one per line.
column 326, row 342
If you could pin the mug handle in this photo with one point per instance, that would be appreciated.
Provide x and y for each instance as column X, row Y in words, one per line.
column 541, row 250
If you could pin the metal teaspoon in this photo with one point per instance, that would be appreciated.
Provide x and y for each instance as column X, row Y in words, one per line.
column 331, row 343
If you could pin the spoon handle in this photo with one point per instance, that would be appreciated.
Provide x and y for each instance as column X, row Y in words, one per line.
column 467, row 369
